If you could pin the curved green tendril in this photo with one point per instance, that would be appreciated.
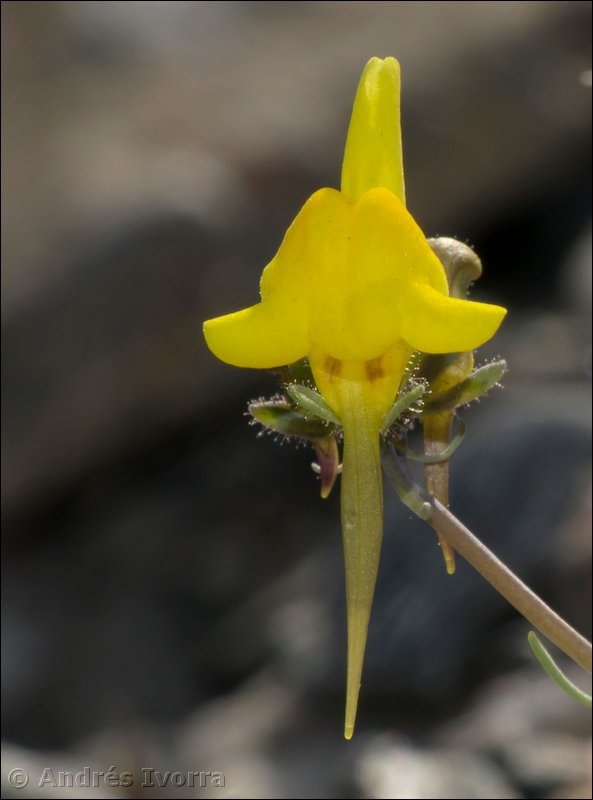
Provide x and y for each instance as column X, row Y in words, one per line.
column 554, row 671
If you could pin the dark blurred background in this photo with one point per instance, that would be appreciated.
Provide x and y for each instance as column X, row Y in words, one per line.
column 173, row 585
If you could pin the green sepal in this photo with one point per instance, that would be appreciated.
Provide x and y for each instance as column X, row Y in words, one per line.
column 445, row 370
column 311, row 402
column 478, row 383
column 300, row 372
column 403, row 403
column 281, row 417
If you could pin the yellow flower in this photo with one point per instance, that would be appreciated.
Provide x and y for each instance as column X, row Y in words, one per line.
column 356, row 288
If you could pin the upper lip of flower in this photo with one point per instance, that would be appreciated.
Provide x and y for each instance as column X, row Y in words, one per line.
column 373, row 154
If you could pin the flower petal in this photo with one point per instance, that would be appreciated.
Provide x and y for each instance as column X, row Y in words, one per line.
column 358, row 285
column 381, row 377
column 373, row 155
column 262, row 336
column 435, row 323
column 315, row 242
column 275, row 331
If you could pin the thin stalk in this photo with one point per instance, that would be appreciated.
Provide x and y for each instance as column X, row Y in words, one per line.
column 510, row 586
column 437, row 435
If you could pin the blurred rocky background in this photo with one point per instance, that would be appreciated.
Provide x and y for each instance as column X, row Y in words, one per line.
column 173, row 594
